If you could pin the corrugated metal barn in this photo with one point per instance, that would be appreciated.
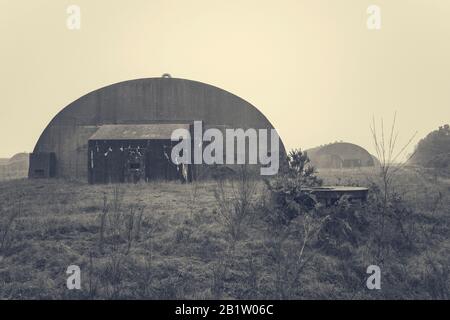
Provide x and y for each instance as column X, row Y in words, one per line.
column 121, row 133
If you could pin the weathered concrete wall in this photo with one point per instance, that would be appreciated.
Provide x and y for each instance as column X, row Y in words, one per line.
column 141, row 101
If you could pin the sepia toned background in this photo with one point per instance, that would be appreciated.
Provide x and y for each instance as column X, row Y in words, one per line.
column 312, row 67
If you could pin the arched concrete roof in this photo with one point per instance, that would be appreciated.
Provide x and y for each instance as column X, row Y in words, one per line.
column 141, row 101
column 326, row 156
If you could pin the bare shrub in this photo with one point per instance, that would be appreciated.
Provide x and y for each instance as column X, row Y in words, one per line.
column 389, row 154
column 120, row 227
column 292, row 223
column 290, row 247
column 113, row 275
column 236, row 199
column 193, row 193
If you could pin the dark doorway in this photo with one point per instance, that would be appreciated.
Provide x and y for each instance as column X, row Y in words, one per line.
column 134, row 167
column 132, row 161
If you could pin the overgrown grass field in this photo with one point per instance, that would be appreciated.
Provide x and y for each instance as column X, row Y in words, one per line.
column 213, row 240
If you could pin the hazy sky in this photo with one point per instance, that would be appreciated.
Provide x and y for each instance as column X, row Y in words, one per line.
column 312, row 67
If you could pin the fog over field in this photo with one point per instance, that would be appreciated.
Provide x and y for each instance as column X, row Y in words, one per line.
column 311, row 62
column 247, row 151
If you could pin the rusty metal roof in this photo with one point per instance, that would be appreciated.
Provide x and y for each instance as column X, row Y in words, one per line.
column 157, row 131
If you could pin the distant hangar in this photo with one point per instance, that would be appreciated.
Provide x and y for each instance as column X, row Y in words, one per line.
column 341, row 155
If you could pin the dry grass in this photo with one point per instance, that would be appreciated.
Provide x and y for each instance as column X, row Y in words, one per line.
column 176, row 249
